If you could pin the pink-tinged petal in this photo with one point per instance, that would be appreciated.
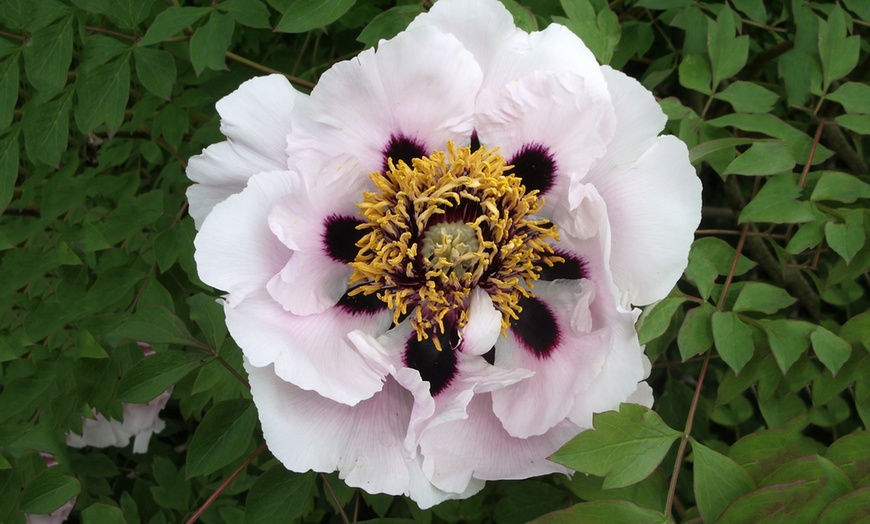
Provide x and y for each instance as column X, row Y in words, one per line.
column 549, row 126
column 235, row 249
column 99, row 432
column 566, row 369
column 310, row 283
column 257, row 115
column 381, row 104
column 312, row 351
column 307, row 431
column 256, row 119
column 484, row 324
column 485, row 28
column 458, row 452
column 653, row 207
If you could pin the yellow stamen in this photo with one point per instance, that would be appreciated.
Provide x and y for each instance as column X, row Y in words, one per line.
column 444, row 225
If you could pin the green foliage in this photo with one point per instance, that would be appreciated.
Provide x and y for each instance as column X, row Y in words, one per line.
column 760, row 364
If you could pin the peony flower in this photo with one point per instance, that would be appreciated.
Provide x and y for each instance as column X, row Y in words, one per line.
column 140, row 421
column 430, row 262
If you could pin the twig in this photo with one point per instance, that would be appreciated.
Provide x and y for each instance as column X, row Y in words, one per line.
column 334, row 499
column 226, row 484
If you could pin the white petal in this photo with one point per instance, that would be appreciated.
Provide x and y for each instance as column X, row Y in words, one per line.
column 484, row 324
column 358, row 105
column 310, row 283
column 235, row 249
column 256, row 119
column 458, row 452
column 535, row 405
column 257, row 115
column 654, row 207
column 571, row 118
column 310, row 351
column 364, row 443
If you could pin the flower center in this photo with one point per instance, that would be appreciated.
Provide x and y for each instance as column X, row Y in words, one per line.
column 444, row 225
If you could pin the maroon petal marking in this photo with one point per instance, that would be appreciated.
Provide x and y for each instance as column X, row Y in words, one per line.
column 436, row 367
column 572, row 268
column 401, row 147
column 536, row 166
column 536, row 329
column 340, row 236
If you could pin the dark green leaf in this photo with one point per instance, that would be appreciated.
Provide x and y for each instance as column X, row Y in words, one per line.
column 523, row 501
column 103, row 514
column 832, row 350
column 854, row 96
column 155, row 325
column 103, row 93
column 841, row 187
column 170, row 22
column 388, row 24
column 153, row 375
column 762, row 158
column 209, row 44
column 788, row 340
column 718, row 481
column 733, row 339
column 221, row 437
column 746, row 97
column 250, row 13
column 8, row 89
column 650, row 493
column 758, row 296
column 777, row 203
column 156, row 70
column 49, row 491
column 304, row 15
column 604, row 512
column 754, row 9
column 728, row 53
column 8, row 167
column 851, row 507
column 48, row 56
column 849, row 453
column 696, row 332
column 277, row 495
column 857, row 123
column 657, row 318
column 838, row 52
column 209, row 315
column 798, row 142
column 625, row 446
column 847, row 239
column 127, row 14
column 46, row 128
column 710, row 147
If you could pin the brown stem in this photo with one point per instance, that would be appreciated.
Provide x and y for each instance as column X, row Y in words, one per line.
column 334, row 499
column 226, row 484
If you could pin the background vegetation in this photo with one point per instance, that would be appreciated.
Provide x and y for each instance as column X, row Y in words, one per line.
column 760, row 356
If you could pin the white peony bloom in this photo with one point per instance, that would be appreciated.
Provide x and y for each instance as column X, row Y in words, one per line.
column 431, row 260
column 140, row 421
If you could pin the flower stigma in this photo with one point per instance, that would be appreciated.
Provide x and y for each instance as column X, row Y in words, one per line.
column 444, row 225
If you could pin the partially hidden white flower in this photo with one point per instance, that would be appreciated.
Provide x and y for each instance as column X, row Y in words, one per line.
column 57, row 516
column 414, row 312
column 140, row 421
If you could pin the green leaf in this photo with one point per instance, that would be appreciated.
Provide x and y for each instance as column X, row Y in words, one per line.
column 788, row 340
column 857, row 123
column 221, row 437
column 170, row 22
column 49, row 491
column 48, row 56
column 696, row 332
column 854, row 96
column 746, row 97
column 603, row 512
column 711, row 147
column 304, row 15
column 694, row 73
column 598, row 28
column 277, row 495
column 127, row 14
column 758, row 296
column 840, row 187
column 650, row 493
column 153, row 375
column 156, row 70
column 388, row 24
column 103, row 93
column 851, row 507
column 832, row 350
column 250, row 13
column 103, row 514
column 718, row 481
column 849, row 453
column 857, row 330
column 522, row 501
column 624, row 447
column 657, row 318
column 847, row 239
column 155, row 325
column 46, row 128
column 728, row 53
column 9, row 149
column 773, row 126
column 733, row 339
column 208, row 46
column 777, row 203
column 8, row 89
column 839, row 53
column 754, row 9
column 209, row 315
column 524, row 18
column 762, row 158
